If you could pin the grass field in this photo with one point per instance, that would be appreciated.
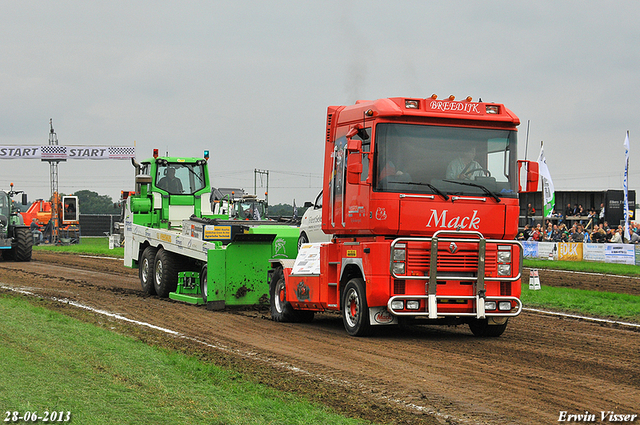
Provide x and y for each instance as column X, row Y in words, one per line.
column 590, row 303
column 94, row 246
column 54, row 363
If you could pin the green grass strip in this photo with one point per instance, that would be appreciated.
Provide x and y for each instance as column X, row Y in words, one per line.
column 90, row 246
column 590, row 303
column 51, row 362
column 585, row 266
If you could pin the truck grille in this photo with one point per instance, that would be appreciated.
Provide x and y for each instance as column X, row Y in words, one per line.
column 465, row 259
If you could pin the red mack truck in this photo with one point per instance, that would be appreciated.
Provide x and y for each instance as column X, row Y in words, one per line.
column 421, row 197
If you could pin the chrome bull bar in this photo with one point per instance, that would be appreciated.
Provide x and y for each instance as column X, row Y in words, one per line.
column 479, row 280
column 432, row 306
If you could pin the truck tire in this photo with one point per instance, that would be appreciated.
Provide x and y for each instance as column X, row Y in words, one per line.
column 281, row 309
column 22, row 244
column 165, row 273
column 145, row 270
column 482, row 328
column 204, row 290
column 355, row 312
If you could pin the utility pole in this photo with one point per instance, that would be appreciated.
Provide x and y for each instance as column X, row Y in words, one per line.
column 261, row 173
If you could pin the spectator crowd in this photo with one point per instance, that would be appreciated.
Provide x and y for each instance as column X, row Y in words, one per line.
column 590, row 227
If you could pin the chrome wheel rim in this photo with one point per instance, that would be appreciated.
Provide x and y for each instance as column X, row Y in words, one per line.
column 352, row 308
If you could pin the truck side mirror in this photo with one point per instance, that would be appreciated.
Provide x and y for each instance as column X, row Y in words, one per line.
column 354, row 167
column 24, row 199
column 531, row 176
column 354, row 146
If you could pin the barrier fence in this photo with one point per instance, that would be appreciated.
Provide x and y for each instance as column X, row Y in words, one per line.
column 573, row 251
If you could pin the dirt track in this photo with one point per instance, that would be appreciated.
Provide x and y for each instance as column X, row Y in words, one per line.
column 422, row 374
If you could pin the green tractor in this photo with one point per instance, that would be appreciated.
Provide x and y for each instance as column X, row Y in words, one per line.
column 16, row 239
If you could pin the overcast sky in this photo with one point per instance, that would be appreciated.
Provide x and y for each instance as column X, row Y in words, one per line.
column 251, row 81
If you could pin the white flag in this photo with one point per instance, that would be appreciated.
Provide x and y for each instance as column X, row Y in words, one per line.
column 548, row 193
column 625, row 186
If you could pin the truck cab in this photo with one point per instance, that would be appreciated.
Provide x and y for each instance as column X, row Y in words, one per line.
column 421, row 197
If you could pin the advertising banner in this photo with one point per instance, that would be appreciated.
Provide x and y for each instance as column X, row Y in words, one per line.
column 620, row 253
column 593, row 252
column 569, row 251
column 530, row 249
column 547, row 250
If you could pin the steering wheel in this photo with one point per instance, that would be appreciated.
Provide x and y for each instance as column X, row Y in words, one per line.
column 484, row 171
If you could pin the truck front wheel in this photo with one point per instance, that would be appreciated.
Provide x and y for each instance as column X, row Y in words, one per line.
column 145, row 270
column 165, row 273
column 355, row 312
column 482, row 328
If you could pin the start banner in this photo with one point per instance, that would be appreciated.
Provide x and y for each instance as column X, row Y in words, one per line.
column 52, row 152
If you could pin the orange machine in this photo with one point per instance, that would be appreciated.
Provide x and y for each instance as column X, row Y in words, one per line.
column 65, row 226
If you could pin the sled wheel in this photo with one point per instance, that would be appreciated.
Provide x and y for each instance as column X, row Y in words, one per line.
column 165, row 273
column 145, row 270
column 203, row 283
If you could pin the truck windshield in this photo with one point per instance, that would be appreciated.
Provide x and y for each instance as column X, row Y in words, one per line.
column 444, row 160
column 180, row 178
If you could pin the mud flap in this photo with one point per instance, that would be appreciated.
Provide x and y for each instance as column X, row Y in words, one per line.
column 380, row 316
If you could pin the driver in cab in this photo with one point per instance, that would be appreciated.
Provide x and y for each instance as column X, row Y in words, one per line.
column 170, row 182
column 464, row 166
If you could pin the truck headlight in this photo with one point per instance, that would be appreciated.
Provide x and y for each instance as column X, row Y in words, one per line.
column 399, row 253
column 413, row 305
column 398, row 268
column 489, row 305
column 504, row 256
column 504, row 306
column 397, row 305
column 504, row 269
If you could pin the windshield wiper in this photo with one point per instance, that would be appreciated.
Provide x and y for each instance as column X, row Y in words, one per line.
column 484, row 189
column 430, row 186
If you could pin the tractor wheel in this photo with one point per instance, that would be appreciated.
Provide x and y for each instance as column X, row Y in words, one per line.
column 203, row 283
column 165, row 273
column 281, row 309
column 355, row 312
column 145, row 269
column 482, row 328
column 22, row 244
